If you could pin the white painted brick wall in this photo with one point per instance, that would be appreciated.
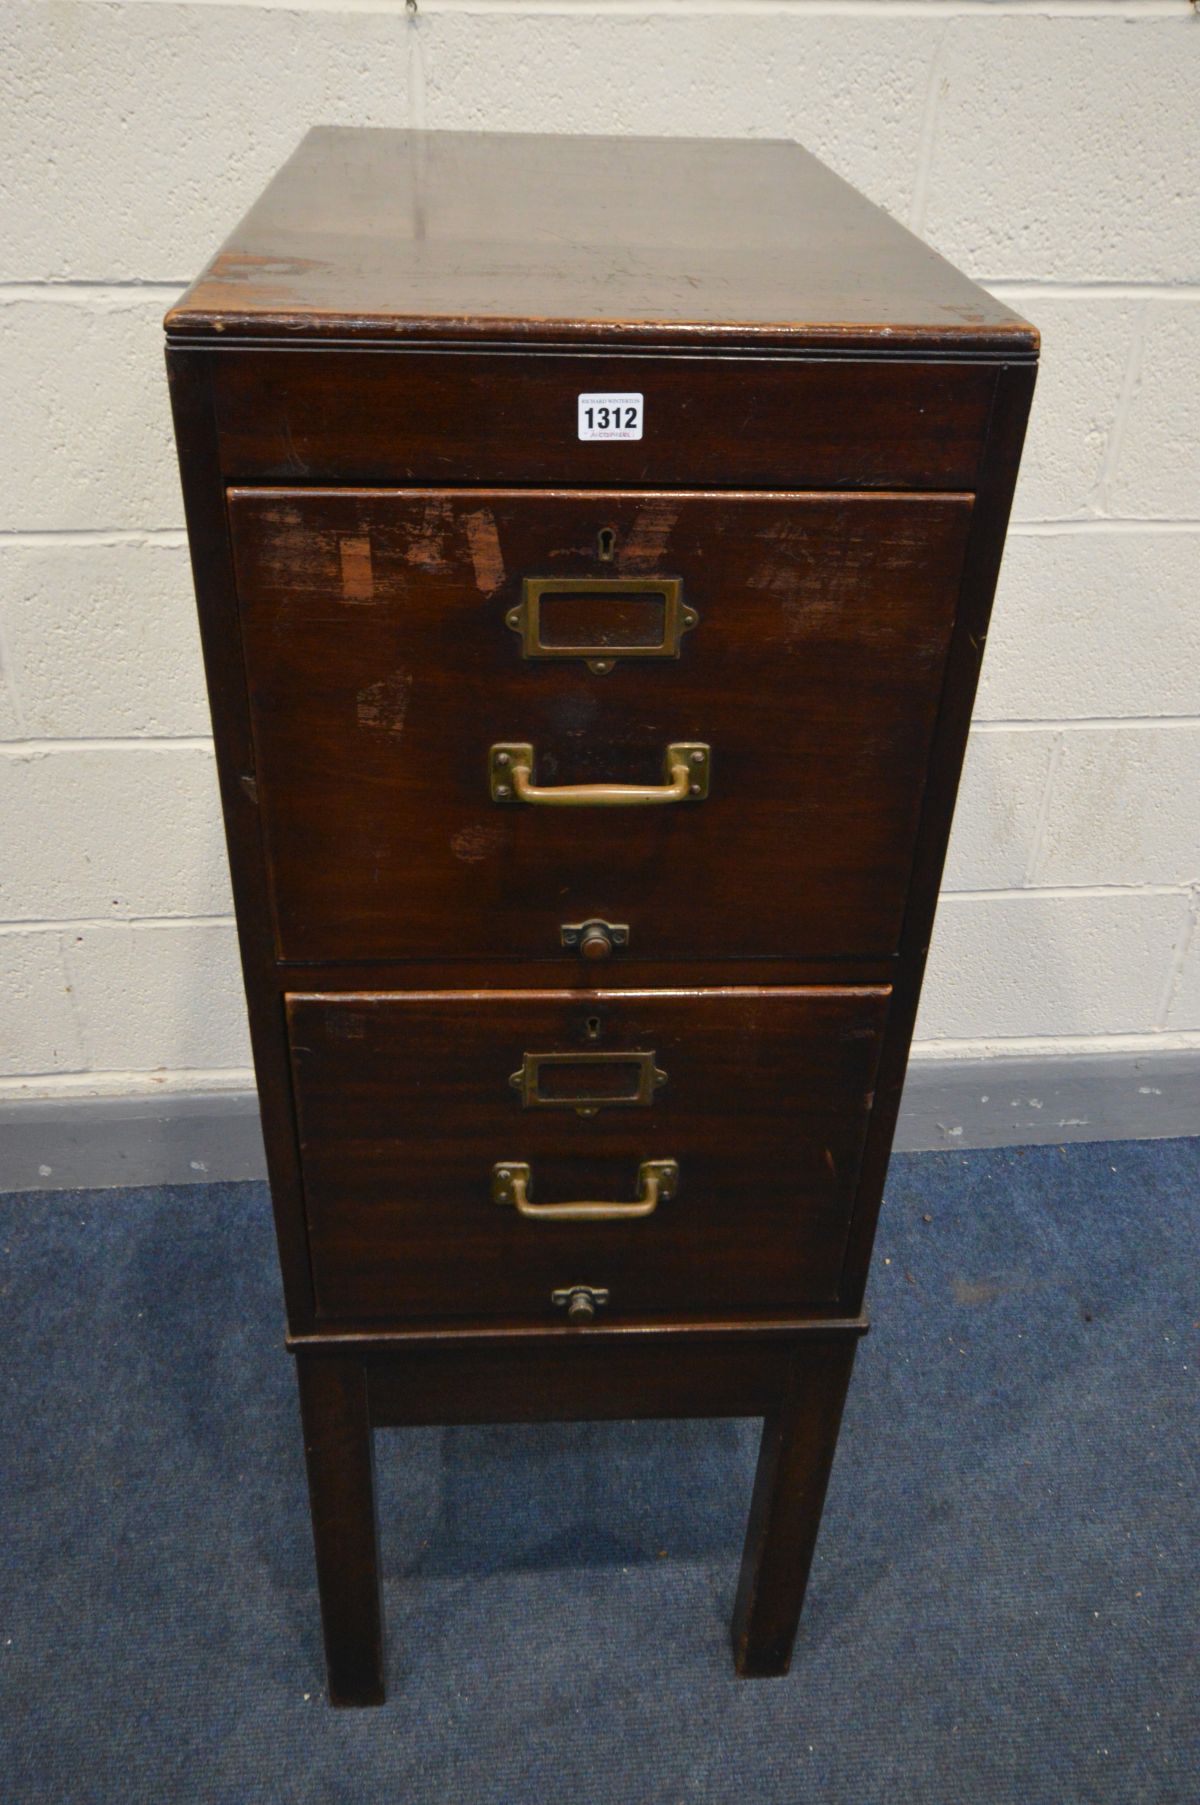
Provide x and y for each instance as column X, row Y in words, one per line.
column 1123, row 807
column 1087, row 345
column 1158, row 472
column 1094, row 623
column 1064, row 962
column 160, row 994
column 1049, row 148
column 110, row 831
column 996, row 825
column 1066, row 147
column 39, row 1004
column 1183, row 1008
column 83, row 407
column 102, row 639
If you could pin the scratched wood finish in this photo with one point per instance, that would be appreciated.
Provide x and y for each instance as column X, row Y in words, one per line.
column 420, row 311
column 404, row 1106
column 380, row 234
column 381, row 669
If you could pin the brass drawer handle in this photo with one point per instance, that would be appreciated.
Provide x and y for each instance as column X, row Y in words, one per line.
column 658, row 1181
column 685, row 767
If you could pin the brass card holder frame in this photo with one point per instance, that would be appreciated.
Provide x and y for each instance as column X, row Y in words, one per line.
column 526, row 618
column 649, row 1079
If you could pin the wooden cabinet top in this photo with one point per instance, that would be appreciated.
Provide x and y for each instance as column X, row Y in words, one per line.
column 474, row 236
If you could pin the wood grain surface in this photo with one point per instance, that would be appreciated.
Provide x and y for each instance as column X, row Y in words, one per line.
column 381, row 669
column 467, row 234
column 405, row 1105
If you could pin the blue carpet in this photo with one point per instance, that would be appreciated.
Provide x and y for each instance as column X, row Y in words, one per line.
column 1003, row 1605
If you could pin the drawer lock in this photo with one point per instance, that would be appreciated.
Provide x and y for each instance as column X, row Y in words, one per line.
column 657, row 1181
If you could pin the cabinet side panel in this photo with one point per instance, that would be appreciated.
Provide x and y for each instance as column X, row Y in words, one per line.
column 985, row 546
column 189, row 376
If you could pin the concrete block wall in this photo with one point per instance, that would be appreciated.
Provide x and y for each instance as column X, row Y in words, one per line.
column 1050, row 148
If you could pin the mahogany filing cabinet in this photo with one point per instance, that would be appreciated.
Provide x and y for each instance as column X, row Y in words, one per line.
column 594, row 542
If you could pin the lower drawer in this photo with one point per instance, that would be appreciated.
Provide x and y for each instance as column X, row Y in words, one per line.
column 470, row 1154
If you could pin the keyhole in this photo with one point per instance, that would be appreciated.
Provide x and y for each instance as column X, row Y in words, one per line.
column 592, row 1027
column 605, row 540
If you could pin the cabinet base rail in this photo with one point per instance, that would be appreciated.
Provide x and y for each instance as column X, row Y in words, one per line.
column 796, row 1382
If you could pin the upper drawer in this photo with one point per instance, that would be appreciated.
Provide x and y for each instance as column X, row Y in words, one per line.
column 387, row 416
column 384, row 664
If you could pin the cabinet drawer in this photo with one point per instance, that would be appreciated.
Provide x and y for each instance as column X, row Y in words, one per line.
column 414, row 1109
column 379, row 416
column 391, row 642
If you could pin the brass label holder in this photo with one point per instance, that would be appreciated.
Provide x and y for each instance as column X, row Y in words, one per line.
column 646, row 1078
column 527, row 618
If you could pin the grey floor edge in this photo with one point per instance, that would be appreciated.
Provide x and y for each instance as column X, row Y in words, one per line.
column 94, row 1143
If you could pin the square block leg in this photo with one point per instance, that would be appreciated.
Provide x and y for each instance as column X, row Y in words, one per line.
column 794, row 1464
column 339, row 1451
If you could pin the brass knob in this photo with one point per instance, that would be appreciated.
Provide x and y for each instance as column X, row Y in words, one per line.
column 580, row 1301
column 595, row 939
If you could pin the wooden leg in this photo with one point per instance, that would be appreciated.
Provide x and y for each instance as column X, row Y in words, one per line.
column 339, row 1450
column 785, row 1512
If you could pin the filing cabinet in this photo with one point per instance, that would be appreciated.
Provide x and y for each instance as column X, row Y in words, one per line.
column 594, row 541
